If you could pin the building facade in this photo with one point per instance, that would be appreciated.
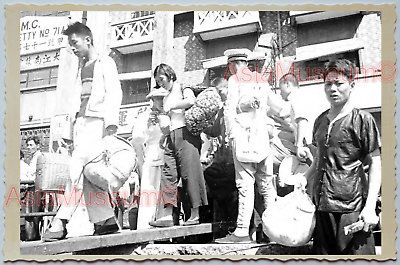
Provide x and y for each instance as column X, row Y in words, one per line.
column 41, row 42
column 193, row 43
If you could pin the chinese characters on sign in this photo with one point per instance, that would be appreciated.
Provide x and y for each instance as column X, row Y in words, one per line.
column 127, row 118
column 39, row 34
column 43, row 59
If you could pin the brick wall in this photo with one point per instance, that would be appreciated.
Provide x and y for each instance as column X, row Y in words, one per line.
column 369, row 31
column 189, row 50
column 269, row 22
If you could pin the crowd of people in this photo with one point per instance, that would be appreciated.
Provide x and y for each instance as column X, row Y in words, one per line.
column 254, row 130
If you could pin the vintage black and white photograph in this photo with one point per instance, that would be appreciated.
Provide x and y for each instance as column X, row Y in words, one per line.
column 201, row 133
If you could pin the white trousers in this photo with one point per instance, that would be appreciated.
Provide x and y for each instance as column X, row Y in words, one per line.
column 87, row 131
column 246, row 174
column 149, row 195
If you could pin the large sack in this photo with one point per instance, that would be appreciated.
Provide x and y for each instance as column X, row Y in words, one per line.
column 290, row 221
column 202, row 114
column 251, row 138
column 113, row 159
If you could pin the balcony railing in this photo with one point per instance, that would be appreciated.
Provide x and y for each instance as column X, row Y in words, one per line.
column 313, row 16
column 206, row 21
column 132, row 32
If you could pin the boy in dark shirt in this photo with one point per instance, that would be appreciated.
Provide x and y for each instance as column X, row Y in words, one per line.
column 344, row 136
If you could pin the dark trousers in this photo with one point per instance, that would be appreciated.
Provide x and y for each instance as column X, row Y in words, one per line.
column 329, row 237
column 220, row 178
column 182, row 161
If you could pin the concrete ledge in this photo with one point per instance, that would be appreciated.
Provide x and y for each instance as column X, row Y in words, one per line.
column 124, row 237
column 210, row 249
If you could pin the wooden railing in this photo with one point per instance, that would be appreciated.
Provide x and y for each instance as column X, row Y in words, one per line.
column 133, row 31
column 204, row 20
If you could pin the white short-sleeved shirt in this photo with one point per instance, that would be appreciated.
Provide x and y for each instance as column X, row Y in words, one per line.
column 24, row 170
column 177, row 116
column 32, row 166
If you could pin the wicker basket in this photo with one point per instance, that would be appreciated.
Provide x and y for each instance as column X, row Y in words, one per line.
column 202, row 114
column 52, row 171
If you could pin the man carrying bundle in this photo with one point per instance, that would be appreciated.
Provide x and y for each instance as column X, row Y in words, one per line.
column 96, row 115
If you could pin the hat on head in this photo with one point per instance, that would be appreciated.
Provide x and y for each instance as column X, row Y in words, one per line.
column 237, row 54
column 256, row 56
column 158, row 92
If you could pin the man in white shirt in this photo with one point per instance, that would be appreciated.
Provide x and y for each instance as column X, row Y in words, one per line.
column 28, row 203
column 244, row 111
column 33, row 144
column 95, row 112
column 23, row 167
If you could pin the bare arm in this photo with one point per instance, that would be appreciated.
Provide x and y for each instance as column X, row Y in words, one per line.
column 187, row 101
column 301, row 151
column 374, row 184
column 277, row 104
column 299, row 114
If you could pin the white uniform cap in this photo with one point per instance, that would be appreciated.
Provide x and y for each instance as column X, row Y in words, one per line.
column 237, row 54
column 256, row 56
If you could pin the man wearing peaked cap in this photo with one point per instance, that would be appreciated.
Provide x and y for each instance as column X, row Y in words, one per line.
column 237, row 54
column 238, row 122
column 255, row 61
column 256, row 56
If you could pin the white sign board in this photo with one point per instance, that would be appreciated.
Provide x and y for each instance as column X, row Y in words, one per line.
column 38, row 34
column 60, row 128
column 127, row 118
column 43, row 59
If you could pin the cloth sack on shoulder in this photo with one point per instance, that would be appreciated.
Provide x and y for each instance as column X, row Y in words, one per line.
column 250, row 128
column 114, row 160
column 251, row 140
column 290, row 221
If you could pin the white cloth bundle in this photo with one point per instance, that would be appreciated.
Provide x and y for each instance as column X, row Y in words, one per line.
column 290, row 221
